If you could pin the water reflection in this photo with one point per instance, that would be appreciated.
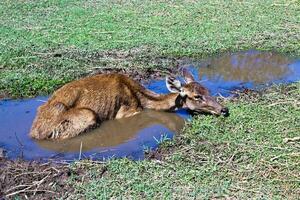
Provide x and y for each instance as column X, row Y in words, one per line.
column 115, row 132
column 251, row 66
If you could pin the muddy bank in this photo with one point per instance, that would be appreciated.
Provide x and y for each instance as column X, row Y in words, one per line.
column 141, row 64
column 53, row 68
column 34, row 180
column 141, row 75
column 52, row 180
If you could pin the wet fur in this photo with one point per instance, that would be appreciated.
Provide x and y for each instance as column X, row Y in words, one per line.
column 83, row 104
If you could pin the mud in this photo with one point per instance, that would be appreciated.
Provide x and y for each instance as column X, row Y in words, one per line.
column 141, row 75
column 141, row 64
column 35, row 180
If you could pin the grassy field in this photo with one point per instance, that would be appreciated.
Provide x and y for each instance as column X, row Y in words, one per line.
column 245, row 156
column 249, row 155
column 45, row 44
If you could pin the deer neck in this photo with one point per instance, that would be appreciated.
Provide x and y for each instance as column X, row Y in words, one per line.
column 171, row 101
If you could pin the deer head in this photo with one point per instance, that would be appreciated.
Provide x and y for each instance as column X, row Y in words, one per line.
column 194, row 96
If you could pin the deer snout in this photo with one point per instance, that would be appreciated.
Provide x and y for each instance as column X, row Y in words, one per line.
column 225, row 112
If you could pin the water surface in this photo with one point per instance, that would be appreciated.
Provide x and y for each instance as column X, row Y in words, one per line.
column 127, row 137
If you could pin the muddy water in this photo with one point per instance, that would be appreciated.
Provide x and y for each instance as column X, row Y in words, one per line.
column 147, row 127
column 129, row 137
column 248, row 69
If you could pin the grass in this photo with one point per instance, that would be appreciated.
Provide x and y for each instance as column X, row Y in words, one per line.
column 45, row 44
column 243, row 156
column 53, row 42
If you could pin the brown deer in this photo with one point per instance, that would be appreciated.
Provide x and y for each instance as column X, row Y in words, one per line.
column 83, row 104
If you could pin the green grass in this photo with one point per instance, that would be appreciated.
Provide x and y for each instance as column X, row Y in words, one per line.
column 45, row 44
column 53, row 42
column 243, row 156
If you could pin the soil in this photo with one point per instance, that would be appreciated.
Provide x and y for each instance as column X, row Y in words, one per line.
column 51, row 180
column 141, row 75
column 141, row 64
column 36, row 180
column 33, row 179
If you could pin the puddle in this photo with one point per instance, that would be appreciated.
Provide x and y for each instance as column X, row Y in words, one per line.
column 129, row 137
column 249, row 69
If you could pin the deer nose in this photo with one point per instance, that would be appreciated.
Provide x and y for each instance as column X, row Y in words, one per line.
column 225, row 112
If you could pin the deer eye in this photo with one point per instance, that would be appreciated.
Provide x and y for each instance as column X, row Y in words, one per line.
column 198, row 98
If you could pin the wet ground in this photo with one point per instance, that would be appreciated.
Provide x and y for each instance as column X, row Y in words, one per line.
column 130, row 137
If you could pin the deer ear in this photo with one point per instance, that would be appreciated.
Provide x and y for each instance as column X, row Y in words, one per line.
column 173, row 84
column 188, row 77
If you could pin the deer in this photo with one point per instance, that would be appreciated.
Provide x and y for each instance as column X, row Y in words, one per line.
column 83, row 104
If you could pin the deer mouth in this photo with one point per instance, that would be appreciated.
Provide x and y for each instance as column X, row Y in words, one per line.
column 203, row 112
column 224, row 112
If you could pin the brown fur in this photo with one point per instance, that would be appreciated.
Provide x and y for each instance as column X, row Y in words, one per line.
column 82, row 104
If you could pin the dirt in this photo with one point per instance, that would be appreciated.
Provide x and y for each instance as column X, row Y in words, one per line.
column 52, row 180
column 131, row 62
column 35, row 180
column 142, row 64
column 141, row 75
